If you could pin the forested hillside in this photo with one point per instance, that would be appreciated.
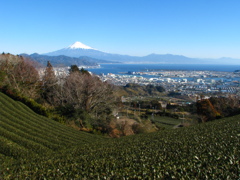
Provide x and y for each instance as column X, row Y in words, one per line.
column 62, row 61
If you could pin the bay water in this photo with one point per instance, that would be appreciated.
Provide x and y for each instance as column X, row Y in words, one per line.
column 125, row 68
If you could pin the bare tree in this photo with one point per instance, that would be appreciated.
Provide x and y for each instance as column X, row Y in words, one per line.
column 20, row 75
column 86, row 92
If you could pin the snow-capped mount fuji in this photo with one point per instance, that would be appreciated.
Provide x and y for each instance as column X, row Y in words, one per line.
column 79, row 49
column 79, row 45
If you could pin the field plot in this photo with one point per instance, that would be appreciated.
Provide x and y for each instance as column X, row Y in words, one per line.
column 34, row 147
column 164, row 121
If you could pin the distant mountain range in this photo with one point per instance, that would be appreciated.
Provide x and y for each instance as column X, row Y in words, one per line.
column 62, row 60
column 79, row 49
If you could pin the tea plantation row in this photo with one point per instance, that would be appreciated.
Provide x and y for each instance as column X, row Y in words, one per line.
column 39, row 148
column 23, row 128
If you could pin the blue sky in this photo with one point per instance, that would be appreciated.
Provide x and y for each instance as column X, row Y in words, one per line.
column 193, row 28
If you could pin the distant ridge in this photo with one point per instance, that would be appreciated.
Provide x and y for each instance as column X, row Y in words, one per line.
column 79, row 49
column 62, row 60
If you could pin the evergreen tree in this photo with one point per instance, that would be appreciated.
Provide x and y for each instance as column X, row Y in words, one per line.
column 74, row 68
column 83, row 71
column 49, row 83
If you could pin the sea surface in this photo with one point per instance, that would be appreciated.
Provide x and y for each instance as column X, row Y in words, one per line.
column 125, row 68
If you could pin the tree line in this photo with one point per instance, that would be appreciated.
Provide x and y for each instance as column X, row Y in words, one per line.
column 78, row 95
column 217, row 107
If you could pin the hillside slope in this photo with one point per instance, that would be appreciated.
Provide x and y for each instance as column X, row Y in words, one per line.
column 23, row 132
column 34, row 147
column 62, row 60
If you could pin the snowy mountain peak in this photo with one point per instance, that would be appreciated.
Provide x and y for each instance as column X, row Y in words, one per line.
column 79, row 45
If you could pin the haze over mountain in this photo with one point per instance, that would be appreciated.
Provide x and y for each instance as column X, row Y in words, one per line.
column 79, row 49
column 62, row 60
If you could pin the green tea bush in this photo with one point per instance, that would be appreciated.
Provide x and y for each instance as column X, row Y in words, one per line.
column 205, row 151
column 28, row 101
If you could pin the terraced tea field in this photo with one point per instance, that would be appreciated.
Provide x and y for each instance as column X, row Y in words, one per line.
column 21, row 127
column 34, row 147
column 164, row 121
